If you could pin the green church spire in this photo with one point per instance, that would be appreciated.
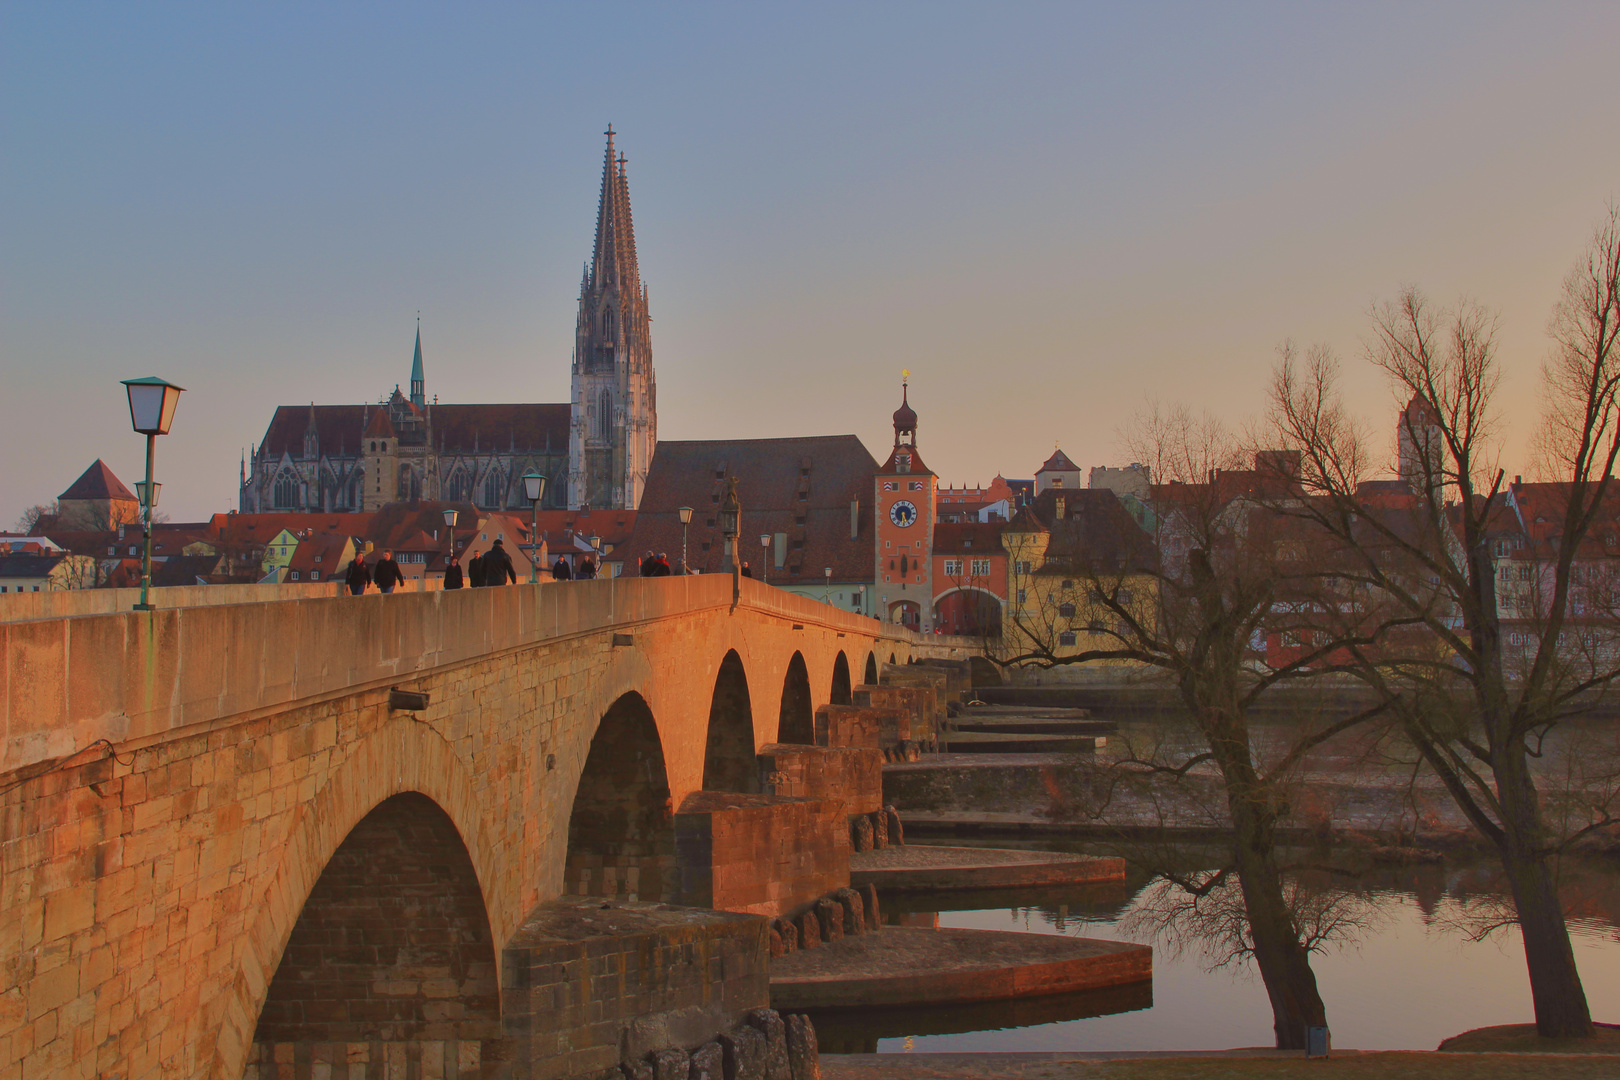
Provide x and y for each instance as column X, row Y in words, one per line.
column 418, row 383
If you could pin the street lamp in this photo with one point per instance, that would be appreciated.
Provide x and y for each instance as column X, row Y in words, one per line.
column 151, row 411
column 534, row 486
column 450, row 536
column 685, row 513
column 730, row 512
column 826, row 590
column 765, row 556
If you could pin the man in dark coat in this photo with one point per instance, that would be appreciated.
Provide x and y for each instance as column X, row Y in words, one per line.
column 661, row 565
column 452, row 574
column 358, row 576
column 746, row 572
column 475, row 571
column 387, row 573
column 586, row 569
column 647, row 564
column 560, row 570
column 498, row 565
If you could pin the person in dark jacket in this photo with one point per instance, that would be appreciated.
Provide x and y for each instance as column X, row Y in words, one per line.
column 560, row 570
column 452, row 574
column 498, row 565
column 645, row 569
column 387, row 573
column 661, row 565
column 746, row 572
column 359, row 576
column 475, row 571
column 586, row 569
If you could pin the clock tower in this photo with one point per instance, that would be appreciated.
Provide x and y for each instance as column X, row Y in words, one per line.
column 903, row 500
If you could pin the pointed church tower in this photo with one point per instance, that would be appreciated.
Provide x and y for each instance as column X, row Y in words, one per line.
column 614, row 419
column 418, row 382
column 904, row 504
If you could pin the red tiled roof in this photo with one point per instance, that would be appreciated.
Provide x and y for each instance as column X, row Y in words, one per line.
column 457, row 428
column 98, row 482
column 1058, row 462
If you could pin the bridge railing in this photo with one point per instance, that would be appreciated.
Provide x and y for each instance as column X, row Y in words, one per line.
column 137, row 677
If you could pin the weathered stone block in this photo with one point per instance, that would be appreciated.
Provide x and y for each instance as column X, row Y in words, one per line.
column 897, row 831
column 769, row 1024
column 860, row 833
column 869, row 902
column 671, row 1065
column 831, row 917
column 745, row 1052
column 708, row 1062
column 637, row 1070
column 880, row 829
column 804, row 1057
column 854, row 910
column 787, row 934
column 809, row 930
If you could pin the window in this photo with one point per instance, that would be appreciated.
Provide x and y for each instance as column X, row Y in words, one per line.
column 1524, row 573
column 314, row 575
column 914, row 485
column 1023, row 595
column 285, row 494
column 1021, row 567
column 607, row 322
column 293, row 576
column 981, row 567
column 494, row 489
column 953, row 567
column 1066, row 610
column 1124, row 598
column 1066, row 638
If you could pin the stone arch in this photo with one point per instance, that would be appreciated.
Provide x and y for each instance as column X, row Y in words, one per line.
column 796, row 721
column 621, row 830
column 840, row 682
column 402, row 757
column 892, row 659
column 393, row 943
column 871, row 675
column 729, row 762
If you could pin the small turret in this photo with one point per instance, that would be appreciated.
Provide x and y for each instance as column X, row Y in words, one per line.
column 418, row 382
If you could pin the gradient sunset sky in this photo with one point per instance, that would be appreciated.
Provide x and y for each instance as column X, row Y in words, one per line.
column 1048, row 212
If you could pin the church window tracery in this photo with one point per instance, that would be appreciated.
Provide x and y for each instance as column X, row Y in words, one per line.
column 494, row 490
column 285, row 495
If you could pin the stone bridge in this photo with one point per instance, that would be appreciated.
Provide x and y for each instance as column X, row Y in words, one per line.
column 221, row 828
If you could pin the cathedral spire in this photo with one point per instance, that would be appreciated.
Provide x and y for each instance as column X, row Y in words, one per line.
column 613, row 261
column 418, row 383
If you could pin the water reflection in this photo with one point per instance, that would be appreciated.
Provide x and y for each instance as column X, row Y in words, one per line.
column 1428, row 956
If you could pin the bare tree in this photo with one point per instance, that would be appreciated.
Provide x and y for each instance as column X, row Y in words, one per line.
column 1224, row 574
column 30, row 517
column 1478, row 719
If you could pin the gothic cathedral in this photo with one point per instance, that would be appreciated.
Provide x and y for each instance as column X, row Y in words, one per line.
column 615, row 415
column 595, row 449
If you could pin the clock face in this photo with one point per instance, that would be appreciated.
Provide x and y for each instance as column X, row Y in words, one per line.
column 903, row 513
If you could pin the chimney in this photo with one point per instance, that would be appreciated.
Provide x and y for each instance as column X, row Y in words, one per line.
column 854, row 519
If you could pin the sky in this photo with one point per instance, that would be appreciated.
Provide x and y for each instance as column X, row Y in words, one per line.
column 1049, row 213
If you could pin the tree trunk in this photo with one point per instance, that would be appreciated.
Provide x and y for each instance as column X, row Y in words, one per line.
column 1283, row 960
column 1555, row 982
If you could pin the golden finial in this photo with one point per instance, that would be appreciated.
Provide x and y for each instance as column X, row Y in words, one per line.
column 905, row 373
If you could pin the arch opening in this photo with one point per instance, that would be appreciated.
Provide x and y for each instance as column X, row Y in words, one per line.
column 729, row 763
column 840, row 682
column 871, row 670
column 393, row 944
column 796, row 721
column 621, row 831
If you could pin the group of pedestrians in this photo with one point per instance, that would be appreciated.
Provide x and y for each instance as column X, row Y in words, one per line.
column 493, row 567
column 583, row 571
column 657, row 565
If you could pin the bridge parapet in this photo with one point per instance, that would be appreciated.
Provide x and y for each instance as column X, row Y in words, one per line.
column 133, row 677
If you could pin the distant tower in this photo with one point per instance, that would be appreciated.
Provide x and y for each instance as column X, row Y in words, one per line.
column 903, row 504
column 614, row 417
column 418, row 383
column 1421, row 448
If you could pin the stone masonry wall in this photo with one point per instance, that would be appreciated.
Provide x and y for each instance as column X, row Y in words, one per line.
column 760, row 854
column 852, row 776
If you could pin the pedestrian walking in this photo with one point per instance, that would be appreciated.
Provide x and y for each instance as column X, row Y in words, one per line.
column 746, row 572
column 560, row 570
column 452, row 574
column 498, row 565
column 387, row 573
column 359, row 575
column 586, row 569
column 661, row 565
column 646, row 567
column 475, row 571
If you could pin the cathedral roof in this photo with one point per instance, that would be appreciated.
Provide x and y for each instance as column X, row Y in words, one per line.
column 455, row 427
column 380, row 425
column 98, row 482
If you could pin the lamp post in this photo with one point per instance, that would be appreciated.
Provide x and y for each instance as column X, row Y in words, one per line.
column 450, row 536
column 765, row 555
column 730, row 513
column 685, row 513
column 826, row 589
column 151, row 412
column 534, row 486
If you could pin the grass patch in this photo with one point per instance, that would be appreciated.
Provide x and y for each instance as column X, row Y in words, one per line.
column 1522, row 1039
